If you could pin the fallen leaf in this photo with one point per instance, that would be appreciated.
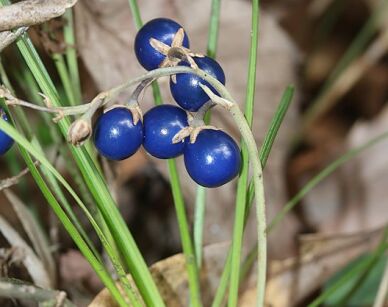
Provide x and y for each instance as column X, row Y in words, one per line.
column 32, row 263
column 34, row 233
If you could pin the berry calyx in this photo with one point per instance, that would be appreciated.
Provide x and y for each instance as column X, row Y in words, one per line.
column 116, row 136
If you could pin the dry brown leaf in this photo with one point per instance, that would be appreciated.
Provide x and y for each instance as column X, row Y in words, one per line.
column 354, row 197
column 34, row 233
column 32, row 263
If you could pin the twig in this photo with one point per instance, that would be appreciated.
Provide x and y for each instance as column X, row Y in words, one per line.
column 9, row 182
column 8, row 37
column 32, row 12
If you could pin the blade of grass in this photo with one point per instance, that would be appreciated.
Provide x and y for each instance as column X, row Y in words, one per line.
column 57, row 191
column 71, row 56
column 31, row 89
column 263, row 156
column 360, row 280
column 70, row 90
column 383, row 289
column 238, row 228
column 199, row 217
column 20, row 115
column 60, row 64
column 213, row 29
column 270, row 136
column 200, row 197
column 359, row 268
column 185, row 236
column 187, row 244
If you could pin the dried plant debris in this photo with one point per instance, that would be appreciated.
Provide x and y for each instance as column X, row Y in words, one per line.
column 8, row 37
column 35, row 234
column 32, row 263
column 32, row 12
column 14, row 288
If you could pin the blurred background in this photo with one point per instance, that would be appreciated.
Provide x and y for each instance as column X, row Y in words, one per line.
column 335, row 54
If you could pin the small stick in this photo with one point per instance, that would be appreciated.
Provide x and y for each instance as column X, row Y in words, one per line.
column 9, row 182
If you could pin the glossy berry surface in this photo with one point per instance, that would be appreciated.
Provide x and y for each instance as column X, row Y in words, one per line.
column 213, row 160
column 163, row 30
column 187, row 92
column 115, row 135
column 6, row 142
column 161, row 123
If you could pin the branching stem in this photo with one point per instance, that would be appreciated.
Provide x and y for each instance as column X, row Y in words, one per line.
column 225, row 100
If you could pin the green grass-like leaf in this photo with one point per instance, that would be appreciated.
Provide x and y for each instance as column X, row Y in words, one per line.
column 358, row 269
column 71, row 56
column 238, row 228
column 200, row 196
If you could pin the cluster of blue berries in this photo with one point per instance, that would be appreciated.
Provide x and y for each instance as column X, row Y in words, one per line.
column 213, row 158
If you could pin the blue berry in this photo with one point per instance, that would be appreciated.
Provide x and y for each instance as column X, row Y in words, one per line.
column 6, row 142
column 161, row 123
column 116, row 137
column 213, row 160
column 161, row 29
column 187, row 92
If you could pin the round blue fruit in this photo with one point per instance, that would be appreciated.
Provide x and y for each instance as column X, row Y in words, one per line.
column 213, row 160
column 116, row 137
column 187, row 92
column 161, row 29
column 161, row 123
column 6, row 142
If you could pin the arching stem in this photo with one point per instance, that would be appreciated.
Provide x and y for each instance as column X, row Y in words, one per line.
column 227, row 101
